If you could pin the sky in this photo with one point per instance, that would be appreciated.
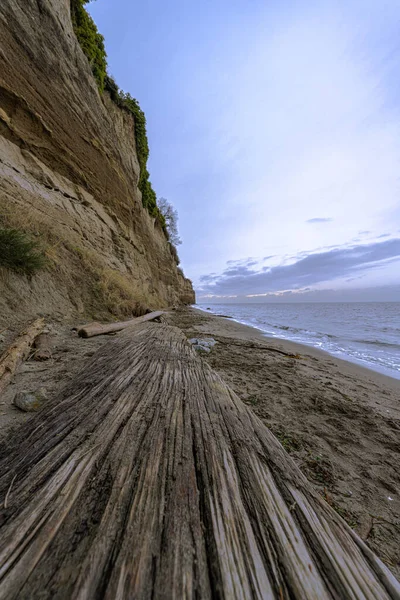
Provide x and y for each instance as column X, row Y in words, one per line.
column 274, row 130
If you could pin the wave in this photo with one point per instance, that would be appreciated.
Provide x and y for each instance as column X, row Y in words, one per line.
column 375, row 353
column 378, row 343
column 307, row 332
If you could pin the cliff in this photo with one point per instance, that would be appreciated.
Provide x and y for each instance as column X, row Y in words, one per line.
column 69, row 176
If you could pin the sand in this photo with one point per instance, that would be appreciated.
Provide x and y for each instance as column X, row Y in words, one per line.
column 339, row 421
column 68, row 355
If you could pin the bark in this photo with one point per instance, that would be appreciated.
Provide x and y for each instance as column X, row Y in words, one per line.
column 17, row 352
column 43, row 347
column 93, row 329
column 150, row 479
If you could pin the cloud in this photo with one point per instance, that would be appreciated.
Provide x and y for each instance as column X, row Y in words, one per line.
column 320, row 220
column 307, row 270
column 238, row 271
column 263, row 114
column 250, row 261
column 208, row 278
column 312, row 113
column 386, row 293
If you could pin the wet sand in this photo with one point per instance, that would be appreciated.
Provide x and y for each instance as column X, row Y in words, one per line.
column 339, row 421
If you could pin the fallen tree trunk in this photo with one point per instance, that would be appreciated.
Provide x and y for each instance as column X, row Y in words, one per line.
column 93, row 329
column 43, row 347
column 149, row 478
column 17, row 352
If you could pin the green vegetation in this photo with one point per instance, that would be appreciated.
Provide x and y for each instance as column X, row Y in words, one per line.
column 92, row 44
column 91, row 41
column 252, row 400
column 149, row 197
column 319, row 469
column 19, row 253
column 288, row 441
column 124, row 100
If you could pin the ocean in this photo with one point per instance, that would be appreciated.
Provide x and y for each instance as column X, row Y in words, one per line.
column 367, row 333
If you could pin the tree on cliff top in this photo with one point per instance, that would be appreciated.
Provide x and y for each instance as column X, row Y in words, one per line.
column 170, row 215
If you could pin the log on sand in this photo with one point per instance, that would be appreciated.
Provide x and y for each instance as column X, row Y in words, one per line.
column 93, row 329
column 18, row 351
column 149, row 478
column 43, row 347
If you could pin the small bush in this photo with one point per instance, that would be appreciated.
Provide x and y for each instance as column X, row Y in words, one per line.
column 20, row 253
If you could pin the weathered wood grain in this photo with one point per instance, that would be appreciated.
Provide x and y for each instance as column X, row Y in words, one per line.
column 149, row 478
column 18, row 351
column 93, row 329
column 43, row 347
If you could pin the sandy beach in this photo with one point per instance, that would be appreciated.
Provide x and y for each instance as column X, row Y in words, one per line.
column 339, row 421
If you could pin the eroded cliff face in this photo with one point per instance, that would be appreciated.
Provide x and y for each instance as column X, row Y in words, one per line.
column 69, row 175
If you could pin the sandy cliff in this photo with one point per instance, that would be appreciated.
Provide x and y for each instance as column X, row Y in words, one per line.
column 69, row 174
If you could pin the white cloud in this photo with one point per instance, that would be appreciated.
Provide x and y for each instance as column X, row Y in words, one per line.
column 264, row 115
column 351, row 265
column 298, row 119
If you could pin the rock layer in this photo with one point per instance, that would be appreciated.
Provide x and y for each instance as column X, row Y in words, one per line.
column 69, row 174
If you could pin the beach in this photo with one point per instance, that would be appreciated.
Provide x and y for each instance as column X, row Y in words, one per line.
column 339, row 421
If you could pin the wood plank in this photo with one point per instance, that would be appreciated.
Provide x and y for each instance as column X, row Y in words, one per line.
column 93, row 329
column 18, row 351
column 149, row 478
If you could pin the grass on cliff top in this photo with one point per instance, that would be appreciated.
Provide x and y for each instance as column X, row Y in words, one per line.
column 92, row 44
column 90, row 40
column 20, row 253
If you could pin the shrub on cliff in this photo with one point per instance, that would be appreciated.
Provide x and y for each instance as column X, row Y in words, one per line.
column 19, row 253
column 90, row 40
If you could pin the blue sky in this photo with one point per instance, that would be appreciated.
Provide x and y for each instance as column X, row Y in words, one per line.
column 274, row 129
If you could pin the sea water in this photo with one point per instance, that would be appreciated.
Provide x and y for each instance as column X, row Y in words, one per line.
column 367, row 333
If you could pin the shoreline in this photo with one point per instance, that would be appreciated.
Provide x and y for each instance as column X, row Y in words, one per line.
column 312, row 349
column 339, row 421
column 348, row 366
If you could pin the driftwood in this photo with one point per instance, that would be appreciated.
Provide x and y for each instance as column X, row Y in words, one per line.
column 43, row 347
column 17, row 352
column 149, row 478
column 93, row 329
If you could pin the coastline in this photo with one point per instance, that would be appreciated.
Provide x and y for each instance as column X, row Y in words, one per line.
column 339, row 421
column 384, row 377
